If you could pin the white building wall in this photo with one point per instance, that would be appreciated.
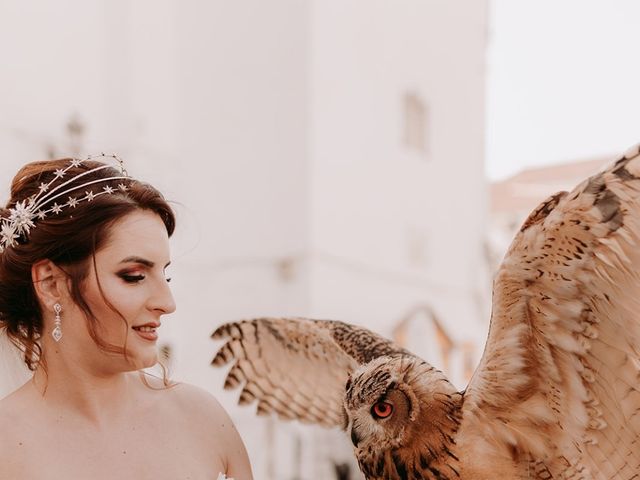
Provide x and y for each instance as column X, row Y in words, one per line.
column 242, row 109
column 277, row 127
column 373, row 197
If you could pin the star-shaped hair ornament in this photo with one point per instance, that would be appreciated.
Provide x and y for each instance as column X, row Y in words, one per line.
column 118, row 160
column 24, row 213
column 21, row 218
column 7, row 235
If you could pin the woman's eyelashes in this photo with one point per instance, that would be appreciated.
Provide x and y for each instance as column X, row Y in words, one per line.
column 137, row 277
column 132, row 277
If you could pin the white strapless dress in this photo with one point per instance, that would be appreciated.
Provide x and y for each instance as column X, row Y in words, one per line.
column 222, row 476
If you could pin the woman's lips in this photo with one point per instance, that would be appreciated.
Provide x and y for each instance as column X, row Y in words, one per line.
column 147, row 332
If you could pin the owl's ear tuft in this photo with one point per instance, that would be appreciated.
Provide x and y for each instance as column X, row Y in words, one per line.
column 347, row 387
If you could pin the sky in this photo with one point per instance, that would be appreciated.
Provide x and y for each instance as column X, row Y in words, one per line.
column 563, row 82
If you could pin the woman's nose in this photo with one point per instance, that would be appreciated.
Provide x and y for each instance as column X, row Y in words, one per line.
column 163, row 299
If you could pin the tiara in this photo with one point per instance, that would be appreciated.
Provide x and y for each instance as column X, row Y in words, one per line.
column 25, row 213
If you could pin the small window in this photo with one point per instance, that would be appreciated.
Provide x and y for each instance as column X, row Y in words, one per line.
column 415, row 122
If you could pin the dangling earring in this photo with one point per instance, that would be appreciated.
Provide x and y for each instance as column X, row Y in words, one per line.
column 57, row 331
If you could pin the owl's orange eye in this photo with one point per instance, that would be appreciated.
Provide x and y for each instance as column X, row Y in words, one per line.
column 382, row 410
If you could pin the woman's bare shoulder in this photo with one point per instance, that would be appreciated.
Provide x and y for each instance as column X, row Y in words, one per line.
column 198, row 403
column 17, row 426
column 7, row 411
column 15, row 407
column 209, row 418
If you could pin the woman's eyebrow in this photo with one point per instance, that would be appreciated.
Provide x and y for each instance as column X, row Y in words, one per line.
column 140, row 260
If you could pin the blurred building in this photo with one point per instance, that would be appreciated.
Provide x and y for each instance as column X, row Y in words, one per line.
column 326, row 157
column 514, row 198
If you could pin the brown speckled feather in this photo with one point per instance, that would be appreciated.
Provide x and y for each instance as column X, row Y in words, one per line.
column 557, row 391
column 558, row 387
column 297, row 368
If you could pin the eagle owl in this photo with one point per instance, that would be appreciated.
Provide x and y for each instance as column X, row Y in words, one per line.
column 556, row 394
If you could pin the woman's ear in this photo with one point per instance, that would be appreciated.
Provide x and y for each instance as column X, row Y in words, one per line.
column 49, row 282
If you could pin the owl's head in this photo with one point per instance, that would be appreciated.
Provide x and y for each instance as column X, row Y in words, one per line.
column 387, row 400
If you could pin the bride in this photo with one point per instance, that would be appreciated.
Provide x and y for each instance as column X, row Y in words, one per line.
column 83, row 292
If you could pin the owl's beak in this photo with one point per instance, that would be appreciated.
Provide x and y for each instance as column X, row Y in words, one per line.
column 355, row 438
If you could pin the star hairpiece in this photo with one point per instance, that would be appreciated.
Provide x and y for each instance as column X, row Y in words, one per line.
column 24, row 214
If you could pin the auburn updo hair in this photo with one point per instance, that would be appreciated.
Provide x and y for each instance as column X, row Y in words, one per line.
column 69, row 239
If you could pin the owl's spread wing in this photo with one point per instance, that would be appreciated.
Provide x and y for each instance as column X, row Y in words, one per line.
column 559, row 381
column 296, row 368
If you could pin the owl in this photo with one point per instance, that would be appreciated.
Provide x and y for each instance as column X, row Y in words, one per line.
column 556, row 394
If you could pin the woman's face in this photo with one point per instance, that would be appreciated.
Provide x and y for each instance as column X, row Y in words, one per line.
column 130, row 274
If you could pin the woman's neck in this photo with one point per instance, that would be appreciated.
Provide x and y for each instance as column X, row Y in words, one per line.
column 93, row 396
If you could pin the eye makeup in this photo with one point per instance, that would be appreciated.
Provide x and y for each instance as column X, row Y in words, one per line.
column 136, row 274
column 131, row 276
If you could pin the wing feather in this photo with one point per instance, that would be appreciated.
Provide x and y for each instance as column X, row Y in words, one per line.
column 558, row 385
column 296, row 368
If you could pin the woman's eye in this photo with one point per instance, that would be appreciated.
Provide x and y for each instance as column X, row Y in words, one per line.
column 132, row 278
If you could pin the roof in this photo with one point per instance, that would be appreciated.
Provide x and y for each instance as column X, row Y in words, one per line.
column 526, row 190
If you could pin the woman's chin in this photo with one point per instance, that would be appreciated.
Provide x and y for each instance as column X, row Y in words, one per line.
column 142, row 359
